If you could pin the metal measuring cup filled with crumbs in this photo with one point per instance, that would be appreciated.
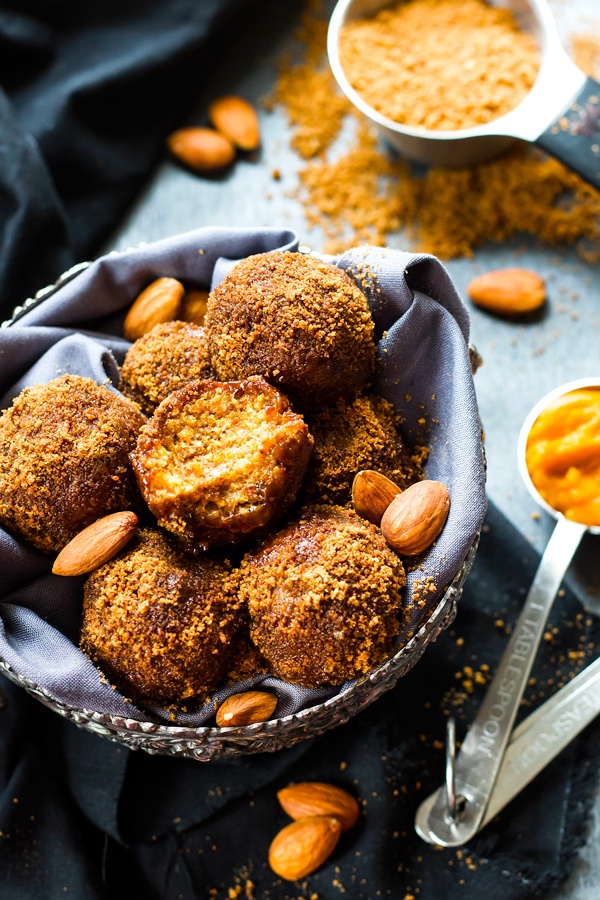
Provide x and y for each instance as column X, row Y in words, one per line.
column 559, row 110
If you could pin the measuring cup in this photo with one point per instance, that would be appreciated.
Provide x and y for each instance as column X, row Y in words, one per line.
column 560, row 114
column 477, row 765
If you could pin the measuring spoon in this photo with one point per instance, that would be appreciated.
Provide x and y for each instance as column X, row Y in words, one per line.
column 561, row 112
column 481, row 755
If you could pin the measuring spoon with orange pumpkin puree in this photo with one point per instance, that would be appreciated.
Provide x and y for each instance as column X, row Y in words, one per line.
column 559, row 458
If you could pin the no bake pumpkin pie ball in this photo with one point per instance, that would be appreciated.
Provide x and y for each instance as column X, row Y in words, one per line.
column 324, row 598
column 64, row 459
column 166, row 358
column 160, row 625
column 221, row 460
column 300, row 323
column 349, row 437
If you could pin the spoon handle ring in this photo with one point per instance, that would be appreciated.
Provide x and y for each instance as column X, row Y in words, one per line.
column 482, row 751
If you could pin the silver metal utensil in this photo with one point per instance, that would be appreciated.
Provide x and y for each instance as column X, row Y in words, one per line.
column 482, row 752
column 534, row 743
column 561, row 112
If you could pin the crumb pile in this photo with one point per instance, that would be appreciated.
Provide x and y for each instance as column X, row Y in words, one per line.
column 324, row 597
column 362, row 194
column 307, row 89
column 162, row 626
column 164, row 359
column 64, row 459
column 300, row 323
column 405, row 72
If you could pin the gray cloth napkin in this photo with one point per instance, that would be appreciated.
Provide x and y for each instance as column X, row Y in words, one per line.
column 423, row 329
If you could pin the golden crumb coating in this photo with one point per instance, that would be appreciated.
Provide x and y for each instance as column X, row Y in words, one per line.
column 353, row 436
column 221, row 460
column 163, row 360
column 300, row 323
column 324, row 597
column 160, row 625
column 64, row 459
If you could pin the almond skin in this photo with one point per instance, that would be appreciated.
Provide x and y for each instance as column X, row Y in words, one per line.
column 96, row 544
column 159, row 302
column 193, row 308
column 315, row 798
column 303, row 846
column 202, row 149
column 509, row 292
column 372, row 493
column 415, row 518
column 237, row 120
column 246, row 708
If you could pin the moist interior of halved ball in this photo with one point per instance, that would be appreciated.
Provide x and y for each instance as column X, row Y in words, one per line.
column 221, row 460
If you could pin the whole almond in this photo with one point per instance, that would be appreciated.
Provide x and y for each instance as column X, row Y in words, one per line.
column 96, row 544
column 202, row 149
column 510, row 292
column 316, row 798
column 159, row 302
column 415, row 518
column 246, row 708
column 193, row 308
column 237, row 120
column 303, row 846
column 372, row 493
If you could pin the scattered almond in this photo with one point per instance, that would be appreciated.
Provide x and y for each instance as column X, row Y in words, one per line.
column 372, row 493
column 246, row 708
column 203, row 149
column 303, row 846
column 96, row 544
column 415, row 518
column 193, row 308
column 159, row 302
column 510, row 292
column 237, row 120
column 315, row 798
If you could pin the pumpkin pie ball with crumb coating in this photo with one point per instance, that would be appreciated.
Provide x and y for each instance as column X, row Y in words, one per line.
column 160, row 625
column 349, row 437
column 324, row 598
column 299, row 322
column 169, row 356
column 64, row 459
column 219, row 461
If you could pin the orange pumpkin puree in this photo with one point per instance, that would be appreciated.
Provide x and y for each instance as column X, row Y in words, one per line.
column 563, row 455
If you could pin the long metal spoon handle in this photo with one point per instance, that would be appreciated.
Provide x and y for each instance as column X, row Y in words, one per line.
column 481, row 754
column 544, row 733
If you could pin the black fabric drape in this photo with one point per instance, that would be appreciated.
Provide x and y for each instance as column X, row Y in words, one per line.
column 83, row 817
column 89, row 92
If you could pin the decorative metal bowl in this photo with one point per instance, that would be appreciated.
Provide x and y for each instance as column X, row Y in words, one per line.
column 205, row 743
